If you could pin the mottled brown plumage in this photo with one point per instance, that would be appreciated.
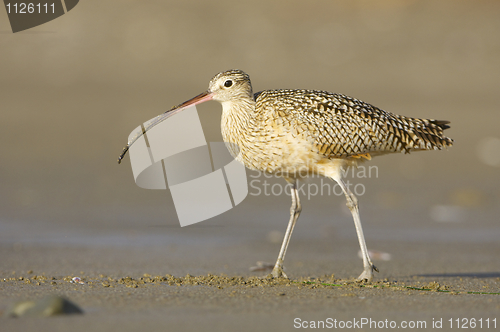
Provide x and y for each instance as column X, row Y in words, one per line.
column 293, row 133
column 342, row 127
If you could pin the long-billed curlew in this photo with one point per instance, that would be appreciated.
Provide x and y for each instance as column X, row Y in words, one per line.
column 296, row 132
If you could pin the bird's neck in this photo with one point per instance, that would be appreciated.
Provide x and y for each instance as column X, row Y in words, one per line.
column 235, row 120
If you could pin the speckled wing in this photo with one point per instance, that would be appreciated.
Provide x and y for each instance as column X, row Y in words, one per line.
column 339, row 126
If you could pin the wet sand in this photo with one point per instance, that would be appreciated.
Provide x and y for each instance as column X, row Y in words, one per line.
column 128, row 287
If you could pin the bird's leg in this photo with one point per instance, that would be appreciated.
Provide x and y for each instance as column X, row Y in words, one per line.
column 352, row 204
column 294, row 215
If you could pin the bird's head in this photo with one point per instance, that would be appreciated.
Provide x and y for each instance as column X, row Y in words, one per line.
column 230, row 85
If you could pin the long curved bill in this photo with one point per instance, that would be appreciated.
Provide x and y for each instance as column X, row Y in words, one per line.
column 201, row 98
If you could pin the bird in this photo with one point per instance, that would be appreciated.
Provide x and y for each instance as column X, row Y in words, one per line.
column 297, row 133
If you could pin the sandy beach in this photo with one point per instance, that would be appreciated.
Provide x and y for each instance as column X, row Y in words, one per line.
column 122, row 290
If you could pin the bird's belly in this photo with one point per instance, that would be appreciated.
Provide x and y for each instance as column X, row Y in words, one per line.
column 287, row 157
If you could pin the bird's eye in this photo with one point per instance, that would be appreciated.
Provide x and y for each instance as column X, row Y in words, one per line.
column 228, row 83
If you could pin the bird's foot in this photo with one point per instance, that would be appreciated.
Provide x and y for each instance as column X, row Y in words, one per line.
column 262, row 266
column 278, row 271
column 367, row 274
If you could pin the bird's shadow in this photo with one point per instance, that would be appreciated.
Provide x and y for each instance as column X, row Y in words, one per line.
column 461, row 275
